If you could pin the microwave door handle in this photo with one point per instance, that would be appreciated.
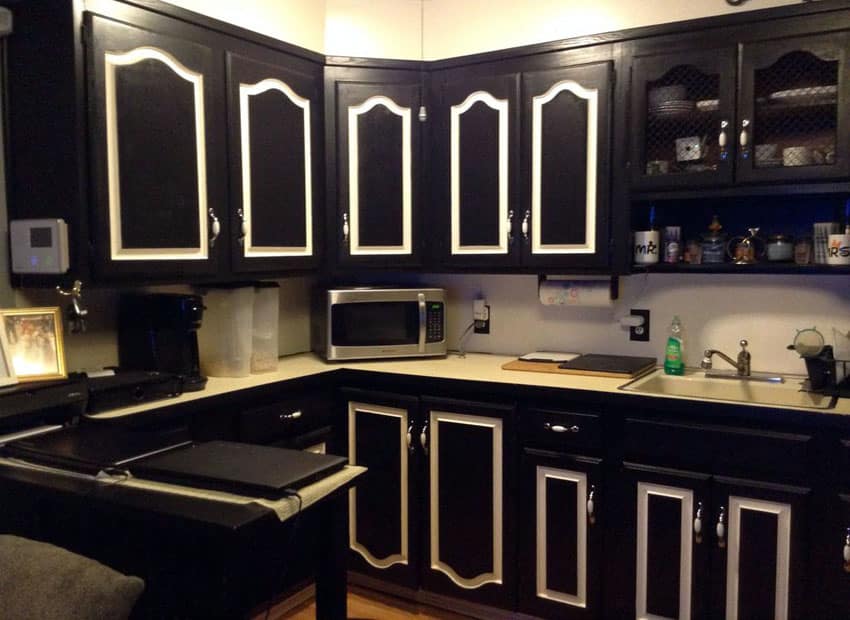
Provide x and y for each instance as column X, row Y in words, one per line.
column 421, row 297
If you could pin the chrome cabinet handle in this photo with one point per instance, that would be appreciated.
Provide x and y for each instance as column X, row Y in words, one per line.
column 723, row 139
column 345, row 228
column 591, row 507
column 559, row 428
column 410, row 437
column 243, row 227
column 423, row 437
column 744, row 138
column 290, row 416
column 720, row 528
column 525, row 225
column 846, row 551
column 698, row 524
column 215, row 227
column 422, row 321
column 510, row 227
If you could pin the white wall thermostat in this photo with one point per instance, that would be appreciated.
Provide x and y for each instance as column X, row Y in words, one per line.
column 39, row 246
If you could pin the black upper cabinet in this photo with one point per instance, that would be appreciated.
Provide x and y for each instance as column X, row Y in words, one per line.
column 157, row 157
column 474, row 193
column 684, row 110
column 274, row 124
column 376, row 135
column 784, row 120
column 566, row 162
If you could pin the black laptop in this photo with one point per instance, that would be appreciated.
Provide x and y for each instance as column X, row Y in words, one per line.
column 245, row 469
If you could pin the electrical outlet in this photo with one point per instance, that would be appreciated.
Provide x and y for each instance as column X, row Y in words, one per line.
column 640, row 332
column 481, row 316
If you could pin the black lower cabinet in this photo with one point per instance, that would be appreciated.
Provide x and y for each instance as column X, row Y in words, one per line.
column 560, row 535
column 435, row 510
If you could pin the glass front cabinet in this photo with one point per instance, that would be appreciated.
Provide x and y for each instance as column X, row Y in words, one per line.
column 693, row 128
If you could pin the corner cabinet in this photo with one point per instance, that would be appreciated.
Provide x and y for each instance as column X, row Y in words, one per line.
column 158, row 160
column 374, row 173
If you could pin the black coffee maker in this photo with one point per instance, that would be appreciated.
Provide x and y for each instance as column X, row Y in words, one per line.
column 158, row 331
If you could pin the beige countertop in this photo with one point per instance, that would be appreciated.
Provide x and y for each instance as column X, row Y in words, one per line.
column 474, row 367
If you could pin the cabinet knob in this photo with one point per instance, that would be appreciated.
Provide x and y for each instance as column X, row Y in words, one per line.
column 698, row 524
column 215, row 227
column 283, row 417
column 423, row 437
column 723, row 139
column 345, row 228
column 410, row 437
column 243, row 227
column 846, row 551
column 744, row 138
column 525, row 225
column 510, row 227
column 591, row 505
column 720, row 528
column 560, row 428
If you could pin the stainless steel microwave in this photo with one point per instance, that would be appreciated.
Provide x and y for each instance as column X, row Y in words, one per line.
column 372, row 323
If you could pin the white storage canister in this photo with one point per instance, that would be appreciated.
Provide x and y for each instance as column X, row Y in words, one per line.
column 266, row 326
column 224, row 340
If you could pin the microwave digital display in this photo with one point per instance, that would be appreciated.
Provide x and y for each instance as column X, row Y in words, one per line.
column 375, row 323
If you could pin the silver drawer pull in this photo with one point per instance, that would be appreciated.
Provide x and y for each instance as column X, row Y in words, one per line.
column 290, row 416
column 846, row 551
column 559, row 428
column 591, row 505
column 410, row 437
column 720, row 528
column 698, row 524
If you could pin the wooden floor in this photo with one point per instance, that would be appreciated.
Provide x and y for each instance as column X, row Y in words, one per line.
column 368, row 607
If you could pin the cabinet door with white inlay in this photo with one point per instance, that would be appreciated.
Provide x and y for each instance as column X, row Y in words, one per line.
column 566, row 152
column 470, row 533
column 475, row 189
column 382, row 506
column 274, row 156
column 377, row 159
column 157, row 150
column 664, row 522
column 760, row 567
column 560, row 535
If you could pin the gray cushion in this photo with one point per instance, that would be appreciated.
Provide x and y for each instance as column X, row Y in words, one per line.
column 38, row 580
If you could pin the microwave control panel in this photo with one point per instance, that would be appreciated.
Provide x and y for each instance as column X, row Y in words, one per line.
column 434, row 322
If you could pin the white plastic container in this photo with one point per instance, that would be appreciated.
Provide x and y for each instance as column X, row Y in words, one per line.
column 265, row 329
column 224, row 340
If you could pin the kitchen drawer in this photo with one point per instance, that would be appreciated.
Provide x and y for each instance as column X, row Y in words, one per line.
column 291, row 416
column 718, row 449
column 320, row 440
column 565, row 431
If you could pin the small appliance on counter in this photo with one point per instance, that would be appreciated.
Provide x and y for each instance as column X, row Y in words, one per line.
column 225, row 340
column 379, row 322
column 131, row 387
column 158, row 332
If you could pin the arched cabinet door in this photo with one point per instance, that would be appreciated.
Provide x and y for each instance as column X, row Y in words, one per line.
column 475, row 189
column 157, row 166
column 378, row 166
column 565, row 220
column 273, row 123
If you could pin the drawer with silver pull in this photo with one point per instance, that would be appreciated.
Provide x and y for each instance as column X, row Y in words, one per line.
column 562, row 430
column 294, row 415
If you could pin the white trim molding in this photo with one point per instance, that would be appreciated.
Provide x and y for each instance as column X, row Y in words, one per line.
column 501, row 106
column 783, row 553
column 592, row 97
column 579, row 599
column 113, row 60
column 248, row 90
column 436, row 418
column 401, row 415
column 354, row 112
column 685, row 497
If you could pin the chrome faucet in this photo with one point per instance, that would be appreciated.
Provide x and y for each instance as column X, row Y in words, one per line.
column 742, row 365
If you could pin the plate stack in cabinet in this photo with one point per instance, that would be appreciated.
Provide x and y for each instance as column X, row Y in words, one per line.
column 561, row 525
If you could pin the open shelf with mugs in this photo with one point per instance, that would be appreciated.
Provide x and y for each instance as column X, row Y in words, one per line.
column 756, row 234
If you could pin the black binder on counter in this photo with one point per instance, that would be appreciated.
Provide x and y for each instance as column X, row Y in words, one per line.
column 241, row 468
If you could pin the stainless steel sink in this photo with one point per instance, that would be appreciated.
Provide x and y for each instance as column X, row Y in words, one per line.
column 694, row 384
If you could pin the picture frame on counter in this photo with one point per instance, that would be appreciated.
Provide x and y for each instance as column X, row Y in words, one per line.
column 7, row 371
column 34, row 341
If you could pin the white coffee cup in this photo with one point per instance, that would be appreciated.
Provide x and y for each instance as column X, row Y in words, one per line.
column 838, row 250
column 646, row 246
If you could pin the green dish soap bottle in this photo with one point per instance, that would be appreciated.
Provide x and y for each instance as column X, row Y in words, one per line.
column 674, row 363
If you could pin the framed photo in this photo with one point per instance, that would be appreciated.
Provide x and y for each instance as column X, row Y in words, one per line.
column 34, row 336
column 7, row 371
